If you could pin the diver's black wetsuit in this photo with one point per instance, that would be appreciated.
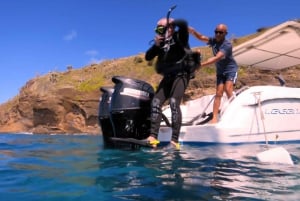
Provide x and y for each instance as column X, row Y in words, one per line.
column 175, row 78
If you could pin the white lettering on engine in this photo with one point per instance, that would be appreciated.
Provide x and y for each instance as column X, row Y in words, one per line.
column 135, row 93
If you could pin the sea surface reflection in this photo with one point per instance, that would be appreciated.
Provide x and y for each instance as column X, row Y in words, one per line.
column 56, row 167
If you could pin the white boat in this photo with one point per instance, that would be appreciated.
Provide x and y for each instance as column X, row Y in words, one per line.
column 257, row 113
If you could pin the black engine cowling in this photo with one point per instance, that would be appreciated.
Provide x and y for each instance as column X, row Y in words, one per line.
column 129, row 109
column 104, row 113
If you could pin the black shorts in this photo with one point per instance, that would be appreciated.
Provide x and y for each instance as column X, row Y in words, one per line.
column 230, row 76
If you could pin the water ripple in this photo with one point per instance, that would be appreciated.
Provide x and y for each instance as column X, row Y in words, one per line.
column 43, row 167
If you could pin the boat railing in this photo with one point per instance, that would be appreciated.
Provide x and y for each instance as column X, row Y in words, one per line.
column 202, row 115
column 235, row 94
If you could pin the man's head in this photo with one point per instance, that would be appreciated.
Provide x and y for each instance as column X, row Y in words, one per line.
column 220, row 32
column 161, row 26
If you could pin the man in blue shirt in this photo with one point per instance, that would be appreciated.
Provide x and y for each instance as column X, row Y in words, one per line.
column 226, row 67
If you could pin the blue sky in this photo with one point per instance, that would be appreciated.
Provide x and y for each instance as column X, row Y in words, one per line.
column 39, row 36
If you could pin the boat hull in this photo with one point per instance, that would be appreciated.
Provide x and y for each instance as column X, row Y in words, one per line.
column 258, row 114
column 214, row 134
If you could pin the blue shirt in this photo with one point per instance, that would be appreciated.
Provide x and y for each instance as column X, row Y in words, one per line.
column 227, row 63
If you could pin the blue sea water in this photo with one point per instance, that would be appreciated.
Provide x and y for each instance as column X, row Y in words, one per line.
column 79, row 167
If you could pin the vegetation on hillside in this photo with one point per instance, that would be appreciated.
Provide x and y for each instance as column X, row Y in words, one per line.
column 91, row 77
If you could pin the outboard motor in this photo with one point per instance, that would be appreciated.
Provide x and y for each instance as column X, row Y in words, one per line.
column 104, row 114
column 130, row 108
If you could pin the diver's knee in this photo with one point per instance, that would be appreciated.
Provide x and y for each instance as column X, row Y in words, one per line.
column 174, row 103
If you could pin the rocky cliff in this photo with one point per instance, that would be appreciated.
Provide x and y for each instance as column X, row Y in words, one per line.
column 67, row 102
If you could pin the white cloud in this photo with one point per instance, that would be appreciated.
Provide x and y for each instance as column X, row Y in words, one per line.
column 70, row 36
column 91, row 53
